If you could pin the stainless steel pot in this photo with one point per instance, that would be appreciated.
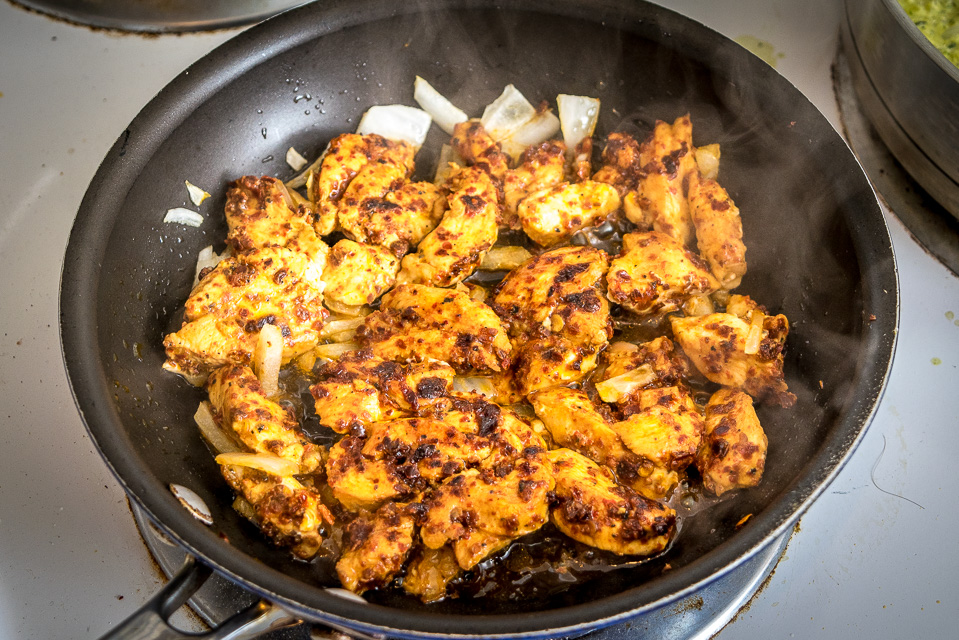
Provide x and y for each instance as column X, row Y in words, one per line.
column 909, row 91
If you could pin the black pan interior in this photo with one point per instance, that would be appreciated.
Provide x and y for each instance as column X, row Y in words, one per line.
column 818, row 251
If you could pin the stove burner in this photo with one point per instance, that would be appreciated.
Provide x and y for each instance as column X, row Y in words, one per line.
column 929, row 223
column 696, row 617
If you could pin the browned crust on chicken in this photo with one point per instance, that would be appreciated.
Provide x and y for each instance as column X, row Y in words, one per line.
column 376, row 546
column 733, row 452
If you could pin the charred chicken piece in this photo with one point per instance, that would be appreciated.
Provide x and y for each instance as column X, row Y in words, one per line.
column 420, row 323
column 473, row 144
column 454, row 249
column 376, row 546
column 734, row 352
column 557, row 315
column 733, row 452
column 575, row 422
column 346, row 155
column 659, row 201
column 362, row 482
column 552, row 215
column 656, row 274
column 430, row 572
column 381, row 207
column 226, row 310
column 260, row 423
column 286, row 510
column 360, row 389
column 622, row 165
column 358, row 274
column 719, row 230
column 540, row 167
column 664, row 427
column 593, row 508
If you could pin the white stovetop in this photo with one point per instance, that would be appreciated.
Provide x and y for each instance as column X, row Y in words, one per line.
column 865, row 563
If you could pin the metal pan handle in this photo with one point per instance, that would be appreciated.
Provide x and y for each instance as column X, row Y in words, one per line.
column 150, row 622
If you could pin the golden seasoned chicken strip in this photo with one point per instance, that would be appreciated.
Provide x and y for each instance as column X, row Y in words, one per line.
column 376, row 546
column 482, row 510
column 667, row 157
column 363, row 482
column 231, row 303
column 454, row 249
column 622, row 165
column 261, row 424
column 735, row 353
column 286, row 510
column 574, row 422
column 430, row 572
column 360, row 389
column 541, row 166
column 719, row 230
column 656, row 274
column 554, row 214
column 420, row 323
column 260, row 213
column 665, row 427
column 358, row 274
column 381, row 207
column 594, row 509
column 473, row 144
column 733, row 452
column 549, row 361
column 631, row 368
column 345, row 156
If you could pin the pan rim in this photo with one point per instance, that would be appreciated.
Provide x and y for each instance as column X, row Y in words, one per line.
column 88, row 382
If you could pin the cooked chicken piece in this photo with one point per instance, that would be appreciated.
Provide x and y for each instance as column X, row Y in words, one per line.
column 376, row 546
column 719, row 230
column 226, row 310
column 430, row 572
column 733, row 452
column 666, row 366
column 541, row 166
column 420, row 323
column 261, row 424
column 360, row 389
column 346, row 155
column 557, row 316
column 656, row 274
column 286, row 510
column 381, row 207
column 473, row 144
column 622, row 166
column 482, row 510
column 358, row 274
column 581, row 164
column 363, row 482
column 260, row 213
column 574, row 422
column 665, row 427
column 594, row 509
column 454, row 249
column 739, row 354
column 666, row 157
column 552, row 215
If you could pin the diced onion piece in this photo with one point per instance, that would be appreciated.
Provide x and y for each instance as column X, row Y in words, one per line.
column 720, row 296
column 444, row 113
column 268, row 357
column 206, row 258
column 577, row 117
column 755, row 335
column 335, row 350
column 504, row 258
column 352, row 310
column 339, row 326
column 698, row 305
column 443, row 168
column 396, row 122
column 541, row 127
column 197, row 195
column 299, row 200
column 477, row 292
column 301, row 178
column 242, row 506
column 211, row 431
column 707, row 158
column 507, row 113
column 306, row 361
column 474, row 384
column 627, row 347
column 295, row 160
column 261, row 461
column 618, row 387
column 180, row 215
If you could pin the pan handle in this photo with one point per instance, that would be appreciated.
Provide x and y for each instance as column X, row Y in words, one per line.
column 150, row 622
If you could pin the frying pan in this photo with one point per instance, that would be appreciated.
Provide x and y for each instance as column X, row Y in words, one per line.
column 819, row 252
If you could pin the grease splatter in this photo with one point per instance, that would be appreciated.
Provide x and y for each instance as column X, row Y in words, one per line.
column 761, row 48
column 936, row 361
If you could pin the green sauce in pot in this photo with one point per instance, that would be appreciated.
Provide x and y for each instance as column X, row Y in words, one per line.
column 939, row 22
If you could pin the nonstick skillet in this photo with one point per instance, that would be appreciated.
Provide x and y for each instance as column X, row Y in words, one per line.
column 818, row 252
